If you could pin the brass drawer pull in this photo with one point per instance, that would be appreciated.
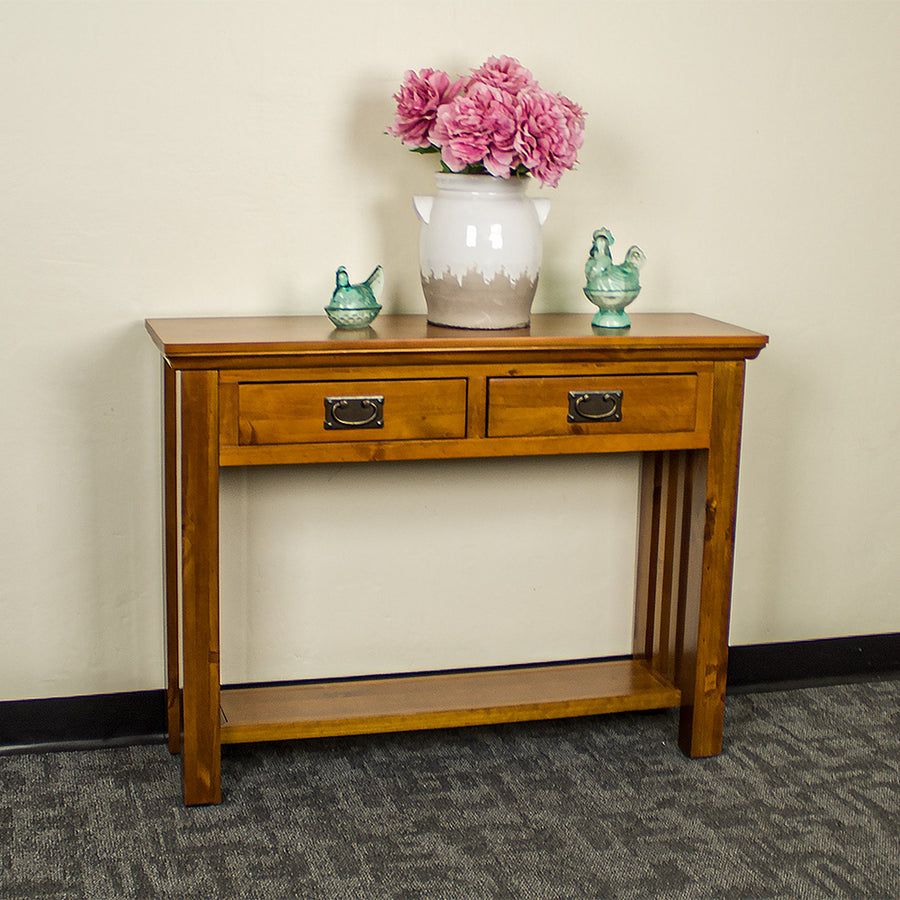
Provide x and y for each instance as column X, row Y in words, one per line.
column 595, row 406
column 354, row 412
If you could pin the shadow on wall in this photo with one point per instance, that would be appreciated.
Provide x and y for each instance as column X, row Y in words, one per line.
column 118, row 390
column 400, row 174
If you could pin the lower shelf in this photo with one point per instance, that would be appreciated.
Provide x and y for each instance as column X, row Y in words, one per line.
column 445, row 700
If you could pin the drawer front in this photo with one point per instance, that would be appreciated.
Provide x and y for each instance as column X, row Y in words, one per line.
column 613, row 404
column 315, row 412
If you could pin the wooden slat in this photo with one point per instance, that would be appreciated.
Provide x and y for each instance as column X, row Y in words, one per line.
column 670, row 549
column 650, row 502
column 692, row 480
column 669, row 557
column 441, row 701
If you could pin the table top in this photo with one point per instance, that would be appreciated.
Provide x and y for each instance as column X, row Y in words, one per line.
column 186, row 339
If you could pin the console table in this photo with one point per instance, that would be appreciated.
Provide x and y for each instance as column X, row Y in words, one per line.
column 273, row 391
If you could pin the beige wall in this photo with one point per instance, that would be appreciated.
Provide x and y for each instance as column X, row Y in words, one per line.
column 164, row 159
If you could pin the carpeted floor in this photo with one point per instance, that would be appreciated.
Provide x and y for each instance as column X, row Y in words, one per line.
column 804, row 803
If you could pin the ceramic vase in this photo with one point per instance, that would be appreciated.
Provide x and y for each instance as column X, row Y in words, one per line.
column 480, row 251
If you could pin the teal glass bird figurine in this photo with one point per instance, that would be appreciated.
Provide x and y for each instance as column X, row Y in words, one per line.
column 611, row 287
column 355, row 305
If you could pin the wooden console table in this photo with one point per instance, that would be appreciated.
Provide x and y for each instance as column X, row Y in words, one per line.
column 269, row 391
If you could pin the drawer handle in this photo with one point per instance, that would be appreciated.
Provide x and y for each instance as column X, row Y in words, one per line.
column 595, row 406
column 354, row 412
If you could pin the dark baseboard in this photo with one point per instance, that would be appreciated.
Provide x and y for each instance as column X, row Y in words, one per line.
column 108, row 720
column 770, row 667
column 98, row 720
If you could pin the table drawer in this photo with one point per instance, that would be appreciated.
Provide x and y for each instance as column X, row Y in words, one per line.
column 614, row 404
column 314, row 412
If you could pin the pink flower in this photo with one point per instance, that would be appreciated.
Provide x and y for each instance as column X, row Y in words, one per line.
column 478, row 126
column 574, row 120
column 505, row 73
column 497, row 120
column 549, row 131
column 418, row 101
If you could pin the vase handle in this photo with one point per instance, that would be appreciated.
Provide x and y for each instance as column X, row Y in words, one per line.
column 541, row 207
column 423, row 207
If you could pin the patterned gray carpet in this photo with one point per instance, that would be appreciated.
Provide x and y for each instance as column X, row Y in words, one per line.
column 804, row 803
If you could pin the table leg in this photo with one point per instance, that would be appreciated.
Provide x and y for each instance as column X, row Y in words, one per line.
column 201, row 746
column 706, row 618
column 170, row 555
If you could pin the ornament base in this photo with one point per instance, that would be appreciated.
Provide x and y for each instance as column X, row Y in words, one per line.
column 605, row 319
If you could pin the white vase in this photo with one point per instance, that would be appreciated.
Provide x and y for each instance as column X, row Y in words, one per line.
column 480, row 251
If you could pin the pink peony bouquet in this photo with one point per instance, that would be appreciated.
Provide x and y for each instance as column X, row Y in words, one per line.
column 497, row 121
